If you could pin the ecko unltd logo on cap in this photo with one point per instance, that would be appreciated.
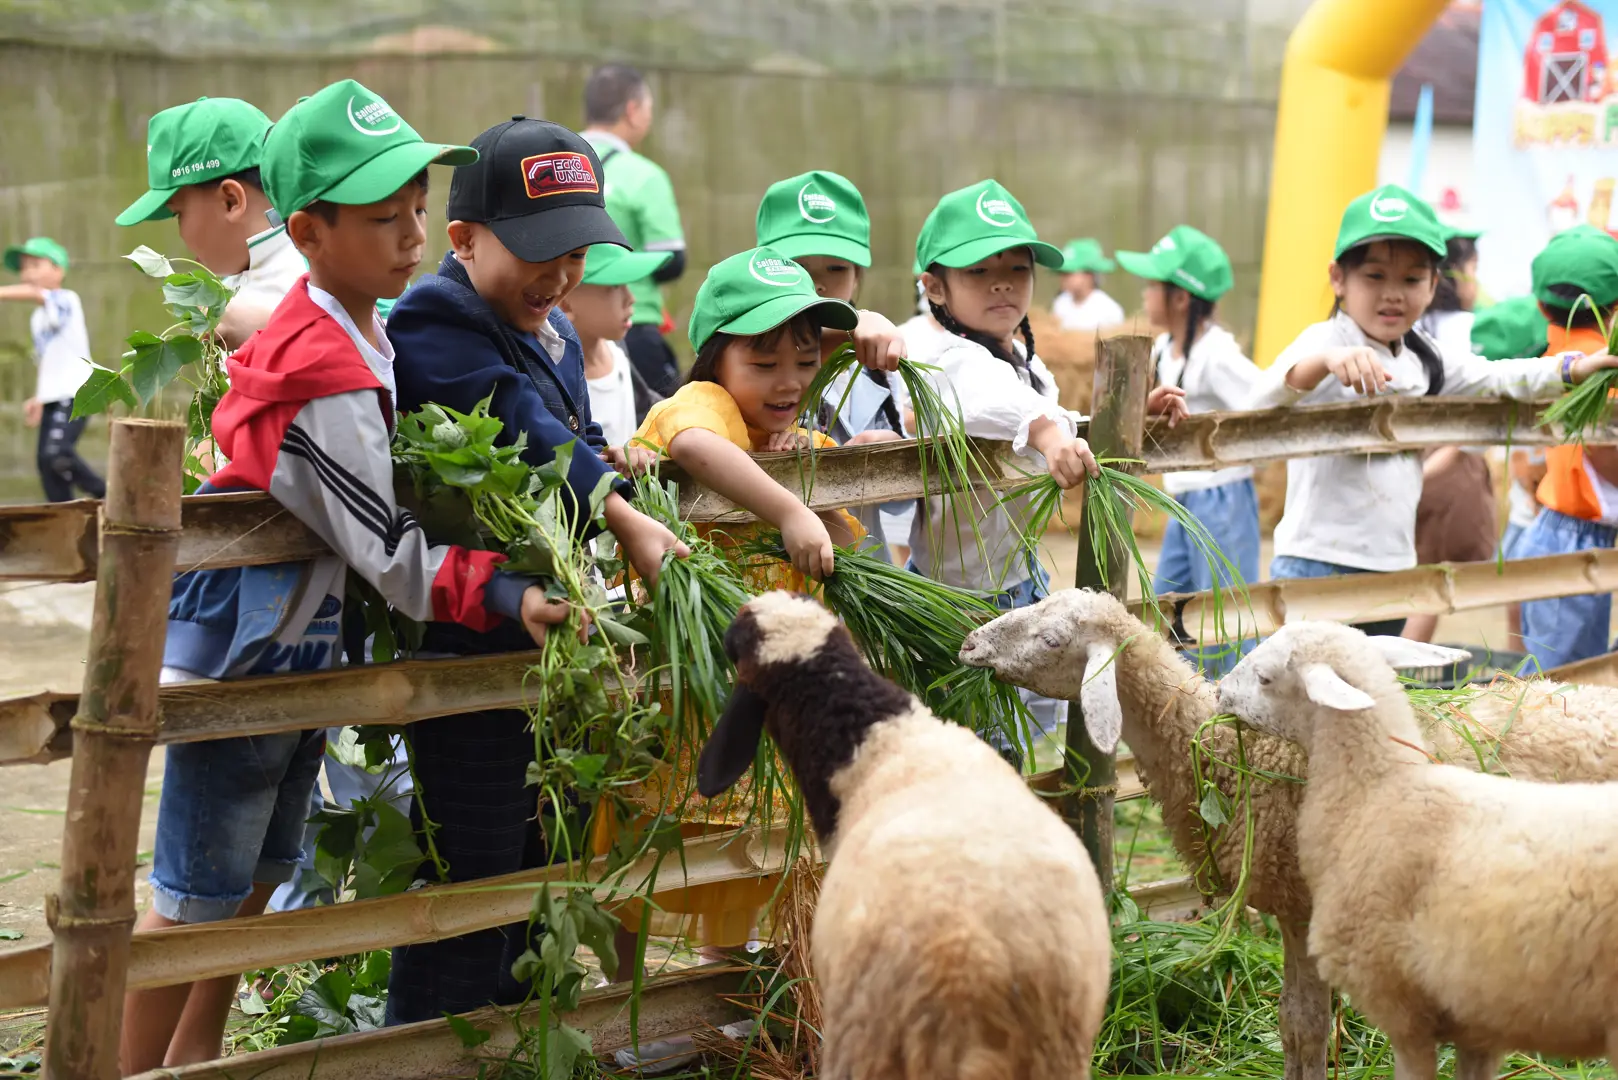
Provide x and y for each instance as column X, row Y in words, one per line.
column 1389, row 208
column 563, row 172
column 817, row 209
column 997, row 212
column 781, row 273
column 371, row 117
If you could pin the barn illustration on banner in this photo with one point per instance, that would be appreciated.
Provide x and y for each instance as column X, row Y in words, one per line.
column 1567, row 56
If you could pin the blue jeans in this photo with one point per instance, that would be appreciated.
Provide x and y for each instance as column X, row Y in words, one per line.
column 1567, row 628
column 231, row 814
column 1230, row 514
column 1291, row 566
column 349, row 783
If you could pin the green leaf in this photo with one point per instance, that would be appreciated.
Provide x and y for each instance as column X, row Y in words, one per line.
column 619, row 634
column 527, row 967
column 100, row 390
column 326, row 1003
column 150, row 262
column 201, row 291
column 1215, row 808
column 565, row 1047
column 152, row 367
column 373, row 975
column 598, row 930
column 470, row 1035
column 10, row 935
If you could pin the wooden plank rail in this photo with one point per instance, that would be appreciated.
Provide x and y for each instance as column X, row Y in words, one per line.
column 671, row 1004
column 34, row 728
column 57, row 543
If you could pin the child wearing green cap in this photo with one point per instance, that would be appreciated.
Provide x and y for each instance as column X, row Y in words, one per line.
column 1186, row 274
column 1575, row 280
column 1357, row 514
column 62, row 352
column 977, row 251
column 1081, row 305
column 819, row 220
column 601, row 310
column 202, row 170
column 1515, row 327
column 308, row 420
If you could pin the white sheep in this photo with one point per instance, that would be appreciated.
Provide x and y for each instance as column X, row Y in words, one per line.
column 1082, row 645
column 1453, row 907
column 961, row 932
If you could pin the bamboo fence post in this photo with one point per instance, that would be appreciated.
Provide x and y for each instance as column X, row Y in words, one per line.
column 116, row 726
column 1117, row 429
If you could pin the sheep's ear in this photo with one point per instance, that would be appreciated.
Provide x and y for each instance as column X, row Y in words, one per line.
column 1403, row 653
column 1325, row 687
column 1103, row 715
column 734, row 742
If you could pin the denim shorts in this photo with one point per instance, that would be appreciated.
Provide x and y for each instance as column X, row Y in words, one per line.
column 231, row 814
column 1563, row 629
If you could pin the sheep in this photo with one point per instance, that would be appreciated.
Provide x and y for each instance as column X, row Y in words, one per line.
column 961, row 932
column 1453, row 907
column 1161, row 703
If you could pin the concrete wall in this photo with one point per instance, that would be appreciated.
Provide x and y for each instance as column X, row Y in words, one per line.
column 1107, row 118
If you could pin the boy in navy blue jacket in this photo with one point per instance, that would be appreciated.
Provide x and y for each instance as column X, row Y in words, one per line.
column 488, row 324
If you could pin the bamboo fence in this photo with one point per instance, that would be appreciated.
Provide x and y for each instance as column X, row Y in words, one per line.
column 131, row 545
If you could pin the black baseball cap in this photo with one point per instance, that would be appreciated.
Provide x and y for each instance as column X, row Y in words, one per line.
column 537, row 186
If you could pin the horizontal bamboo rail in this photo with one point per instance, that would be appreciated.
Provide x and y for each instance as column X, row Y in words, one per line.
column 34, row 728
column 57, row 542
column 670, row 1004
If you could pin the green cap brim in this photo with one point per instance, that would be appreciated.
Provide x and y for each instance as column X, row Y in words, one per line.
column 1142, row 264
column 628, row 268
column 152, row 206
column 829, row 247
column 772, row 313
column 1439, row 248
column 975, row 251
column 391, row 170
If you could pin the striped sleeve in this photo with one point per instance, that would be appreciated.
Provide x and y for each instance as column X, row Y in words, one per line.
column 334, row 472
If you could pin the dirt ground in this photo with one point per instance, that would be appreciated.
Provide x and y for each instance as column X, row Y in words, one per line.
column 46, row 630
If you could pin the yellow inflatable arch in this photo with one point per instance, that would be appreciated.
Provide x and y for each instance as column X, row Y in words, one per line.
column 1333, row 113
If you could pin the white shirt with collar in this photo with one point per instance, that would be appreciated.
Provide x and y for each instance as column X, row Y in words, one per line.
column 378, row 357
column 1219, row 378
column 1092, row 313
column 995, row 401
column 274, row 265
column 1360, row 510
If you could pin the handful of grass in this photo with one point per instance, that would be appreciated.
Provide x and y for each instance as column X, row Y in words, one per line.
column 1587, row 407
column 910, row 629
column 1110, row 500
column 950, row 462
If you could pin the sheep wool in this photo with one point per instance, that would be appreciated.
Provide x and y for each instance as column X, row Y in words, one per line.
column 1454, row 907
column 961, row 932
column 1534, row 730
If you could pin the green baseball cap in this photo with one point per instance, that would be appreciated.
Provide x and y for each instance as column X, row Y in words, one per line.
column 1086, row 257
column 40, row 246
column 1453, row 232
column 345, row 145
column 1585, row 257
column 200, row 141
column 969, row 225
column 816, row 213
column 1510, row 330
column 1390, row 213
column 609, row 264
column 757, row 291
column 1186, row 257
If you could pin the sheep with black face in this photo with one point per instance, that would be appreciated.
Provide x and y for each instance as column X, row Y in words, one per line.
column 961, row 931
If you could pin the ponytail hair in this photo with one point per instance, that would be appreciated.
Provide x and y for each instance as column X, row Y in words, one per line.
column 1197, row 315
column 954, row 326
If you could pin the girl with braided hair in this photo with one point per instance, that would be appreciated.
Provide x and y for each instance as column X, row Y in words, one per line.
column 977, row 252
